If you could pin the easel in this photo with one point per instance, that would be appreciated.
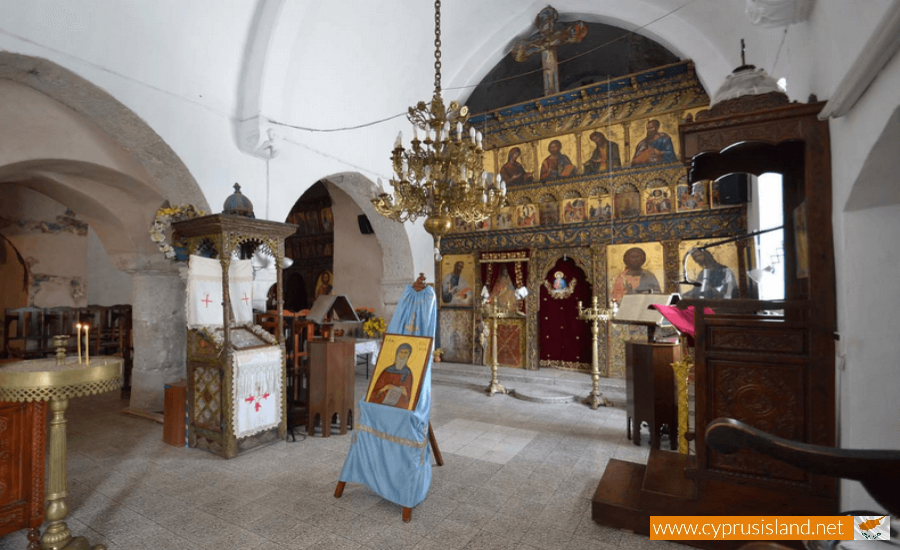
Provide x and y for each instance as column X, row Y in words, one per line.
column 418, row 286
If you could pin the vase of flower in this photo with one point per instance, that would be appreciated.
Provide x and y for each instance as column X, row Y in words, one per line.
column 374, row 327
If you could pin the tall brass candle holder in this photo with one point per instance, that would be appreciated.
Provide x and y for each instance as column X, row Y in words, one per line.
column 493, row 311
column 596, row 315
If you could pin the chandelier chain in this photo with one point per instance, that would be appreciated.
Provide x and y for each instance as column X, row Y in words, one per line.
column 441, row 175
column 437, row 46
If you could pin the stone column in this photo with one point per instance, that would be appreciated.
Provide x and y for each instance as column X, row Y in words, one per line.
column 159, row 322
column 392, row 290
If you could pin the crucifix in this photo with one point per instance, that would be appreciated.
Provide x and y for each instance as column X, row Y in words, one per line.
column 545, row 41
column 207, row 301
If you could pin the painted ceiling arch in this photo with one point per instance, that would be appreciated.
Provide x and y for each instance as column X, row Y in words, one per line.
column 118, row 207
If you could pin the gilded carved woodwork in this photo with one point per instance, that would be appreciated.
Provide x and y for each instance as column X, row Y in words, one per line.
column 665, row 89
column 618, row 109
column 689, row 225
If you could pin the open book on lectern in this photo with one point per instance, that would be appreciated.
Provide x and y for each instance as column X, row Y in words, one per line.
column 635, row 309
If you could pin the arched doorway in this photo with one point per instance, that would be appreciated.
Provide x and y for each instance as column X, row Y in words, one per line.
column 372, row 269
column 565, row 341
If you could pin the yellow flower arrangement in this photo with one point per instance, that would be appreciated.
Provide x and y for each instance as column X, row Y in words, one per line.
column 159, row 229
column 374, row 325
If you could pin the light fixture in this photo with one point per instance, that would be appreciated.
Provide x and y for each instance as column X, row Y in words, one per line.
column 441, row 175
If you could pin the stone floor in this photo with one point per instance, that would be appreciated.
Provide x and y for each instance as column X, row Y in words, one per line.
column 517, row 475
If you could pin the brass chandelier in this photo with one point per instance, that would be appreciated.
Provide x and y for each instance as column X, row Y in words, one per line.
column 441, row 176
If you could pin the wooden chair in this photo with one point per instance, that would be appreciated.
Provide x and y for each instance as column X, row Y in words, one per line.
column 875, row 469
column 116, row 338
column 26, row 339
column 299, row 332
column 61, row 321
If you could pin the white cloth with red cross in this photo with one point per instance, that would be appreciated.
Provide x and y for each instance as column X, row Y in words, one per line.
column 256, row 390
column 204, row 292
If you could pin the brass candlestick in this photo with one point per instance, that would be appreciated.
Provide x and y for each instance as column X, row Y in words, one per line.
column 493, row 311
column 59, row 342
column 682, row 370
column 596, row 315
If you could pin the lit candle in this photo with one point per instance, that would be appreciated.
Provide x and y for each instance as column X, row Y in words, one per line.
column 87, row 346
column 78, row 328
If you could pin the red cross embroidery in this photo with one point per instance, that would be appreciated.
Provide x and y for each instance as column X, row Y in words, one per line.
column 257, row 405
column 245, row 298
column 207, row 301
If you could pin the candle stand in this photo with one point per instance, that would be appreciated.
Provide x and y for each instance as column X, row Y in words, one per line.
column 596, row 315
column 492, row 311
column 58, row 381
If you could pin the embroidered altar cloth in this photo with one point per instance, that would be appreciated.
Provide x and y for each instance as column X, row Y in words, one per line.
column 257, row 390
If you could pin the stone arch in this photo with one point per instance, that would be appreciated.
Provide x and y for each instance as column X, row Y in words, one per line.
column 397, row 259
column 122, row 126
column 78, row 145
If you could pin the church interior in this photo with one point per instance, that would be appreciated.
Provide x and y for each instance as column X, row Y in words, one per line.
column 520, row 185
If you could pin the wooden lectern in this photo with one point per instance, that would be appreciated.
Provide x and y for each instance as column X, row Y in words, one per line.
column 331, row 368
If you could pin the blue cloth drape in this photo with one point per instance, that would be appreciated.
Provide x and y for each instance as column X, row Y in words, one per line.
column 389, row 451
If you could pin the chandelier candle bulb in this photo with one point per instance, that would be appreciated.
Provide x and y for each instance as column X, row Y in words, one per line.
column 472, row 133
column 459, row 131
column 398, row 143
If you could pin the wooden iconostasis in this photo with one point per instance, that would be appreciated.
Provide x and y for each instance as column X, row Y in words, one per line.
column 311, row 248
column 597, row 195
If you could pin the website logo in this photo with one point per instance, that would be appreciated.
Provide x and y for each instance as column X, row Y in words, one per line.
column 872, row 528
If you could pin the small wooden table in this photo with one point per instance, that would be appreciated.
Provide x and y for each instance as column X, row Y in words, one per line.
column 331, row 384
column 45, row 380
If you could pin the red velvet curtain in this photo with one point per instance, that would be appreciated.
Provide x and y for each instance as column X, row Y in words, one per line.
column 565, row 340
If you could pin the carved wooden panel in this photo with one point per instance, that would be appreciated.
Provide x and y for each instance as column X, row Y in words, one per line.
column 207, row 397
column 511, row 342
column 200, row 346
column 22, row 446
column 757, row 340
column 767, row 397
